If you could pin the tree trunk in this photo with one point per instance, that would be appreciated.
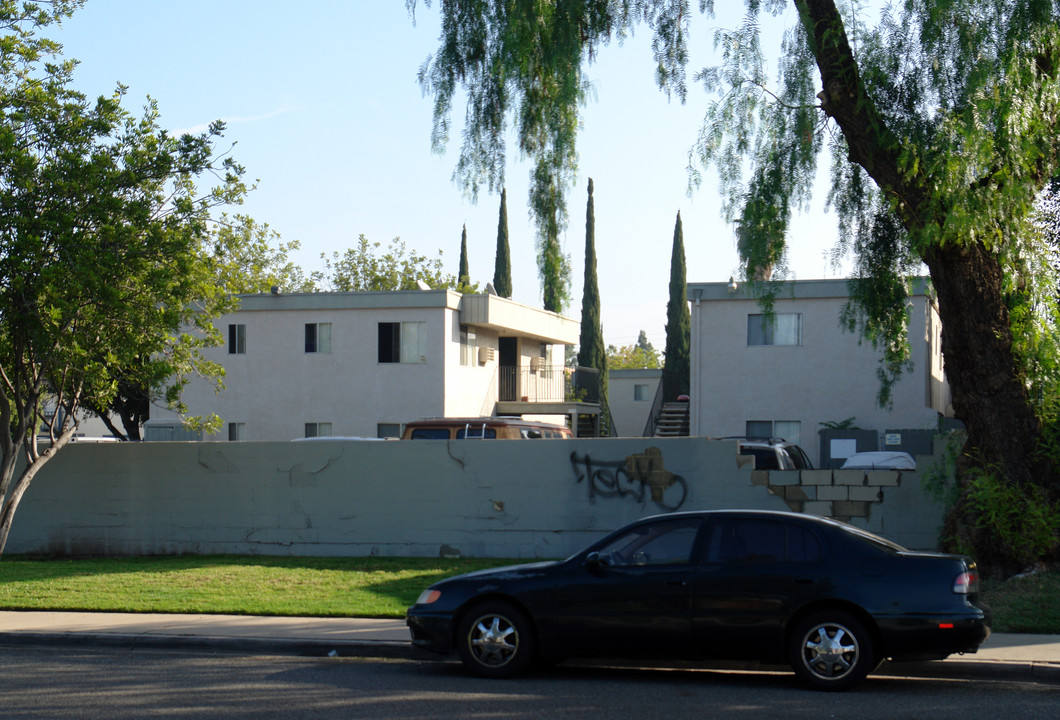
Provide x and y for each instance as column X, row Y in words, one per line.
column 988, row 395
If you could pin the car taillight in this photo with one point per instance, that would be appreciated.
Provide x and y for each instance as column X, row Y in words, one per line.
column 966, row 583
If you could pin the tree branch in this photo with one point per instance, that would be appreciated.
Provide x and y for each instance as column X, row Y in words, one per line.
column 870, row 142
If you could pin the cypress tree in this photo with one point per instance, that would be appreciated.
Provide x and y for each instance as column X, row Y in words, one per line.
column 676, row 369
column 591, row 352
column 463, row 279
column 502, row 273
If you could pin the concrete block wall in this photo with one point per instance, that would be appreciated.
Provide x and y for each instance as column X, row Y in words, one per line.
column 518, row 499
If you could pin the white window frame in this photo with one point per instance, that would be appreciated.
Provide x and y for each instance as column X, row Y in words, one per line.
column 318, row 338
column 411, row 341
column 775, row 329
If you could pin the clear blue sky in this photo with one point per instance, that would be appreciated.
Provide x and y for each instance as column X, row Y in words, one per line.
column 326, row 112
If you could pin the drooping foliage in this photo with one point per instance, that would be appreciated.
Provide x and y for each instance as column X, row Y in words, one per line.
column 940, row 117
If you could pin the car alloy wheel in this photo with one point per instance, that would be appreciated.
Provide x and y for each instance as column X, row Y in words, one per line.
column 496, row 640
column 831, row 651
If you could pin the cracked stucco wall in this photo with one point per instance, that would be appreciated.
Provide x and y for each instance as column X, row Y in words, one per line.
column 520, row 499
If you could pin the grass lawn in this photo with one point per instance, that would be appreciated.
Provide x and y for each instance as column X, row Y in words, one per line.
column 350, row 587
column 227, row 584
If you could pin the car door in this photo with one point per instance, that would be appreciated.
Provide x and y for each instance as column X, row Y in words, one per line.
column 753, row 574
column 631, row 595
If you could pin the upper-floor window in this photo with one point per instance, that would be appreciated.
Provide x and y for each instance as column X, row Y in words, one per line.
column 468, row 345
column 318, row 337
column 237, row 431
column 640, row 393
column 237, row 339
column 402, row 342
column 774, row 329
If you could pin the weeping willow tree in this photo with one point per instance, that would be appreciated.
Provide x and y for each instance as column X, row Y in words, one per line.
column 940, row 119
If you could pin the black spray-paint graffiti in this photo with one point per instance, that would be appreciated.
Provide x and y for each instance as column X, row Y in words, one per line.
column 633, row 477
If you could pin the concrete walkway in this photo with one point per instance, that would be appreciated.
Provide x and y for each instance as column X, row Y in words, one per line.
column 1027, row 657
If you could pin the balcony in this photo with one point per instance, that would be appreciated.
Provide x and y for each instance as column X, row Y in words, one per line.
column 540, row 389
column 539, row 383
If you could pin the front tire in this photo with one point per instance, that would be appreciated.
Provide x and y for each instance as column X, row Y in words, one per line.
column 831, row 651
column 496, row 640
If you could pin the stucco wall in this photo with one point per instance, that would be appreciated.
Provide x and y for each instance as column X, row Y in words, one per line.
column 425, row 498
column 829, row 377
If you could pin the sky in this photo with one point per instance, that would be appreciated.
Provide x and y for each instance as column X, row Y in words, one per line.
column 324, row 109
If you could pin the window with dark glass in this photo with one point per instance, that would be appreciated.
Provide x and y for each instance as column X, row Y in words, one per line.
column 664, row 543
column 318, row 337
column 237, row 339
column 747, row 540
column 775, row 329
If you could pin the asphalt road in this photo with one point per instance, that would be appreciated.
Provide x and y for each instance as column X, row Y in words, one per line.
column 85, row 683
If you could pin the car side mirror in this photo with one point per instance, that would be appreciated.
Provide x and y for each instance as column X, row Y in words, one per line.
column 594, row 562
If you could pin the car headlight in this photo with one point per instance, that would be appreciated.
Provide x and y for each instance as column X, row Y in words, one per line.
column 428, row 596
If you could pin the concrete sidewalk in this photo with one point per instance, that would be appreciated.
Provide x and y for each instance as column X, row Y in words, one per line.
column 1026, row 657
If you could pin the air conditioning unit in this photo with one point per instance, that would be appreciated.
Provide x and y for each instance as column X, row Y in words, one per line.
column 536, row 364
column 485, row 355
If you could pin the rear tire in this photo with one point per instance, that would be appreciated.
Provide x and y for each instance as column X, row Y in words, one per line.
column 831, row 650
column 495, row 639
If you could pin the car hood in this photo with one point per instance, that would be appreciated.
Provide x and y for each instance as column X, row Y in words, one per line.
column 508, row 571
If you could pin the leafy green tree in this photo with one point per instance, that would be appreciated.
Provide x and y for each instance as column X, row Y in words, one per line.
column 100, row 227
column 676, row 368
column 464, row 276
column 591, row 351
column 239, row 256
column 249, row 257
column 363, row 268
column 502, row 273
column 941, row 122
column 642, row 356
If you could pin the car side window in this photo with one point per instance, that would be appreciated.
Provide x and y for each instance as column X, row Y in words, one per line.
column 739, row 540
column 662, row 543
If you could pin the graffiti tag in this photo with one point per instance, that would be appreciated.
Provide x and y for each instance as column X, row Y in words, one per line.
column 635, row 477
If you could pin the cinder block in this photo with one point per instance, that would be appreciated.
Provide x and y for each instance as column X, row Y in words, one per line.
column 884, row 478
column 783, row 477
column 866, row 494
column 849, row 477
column 823, row 509
column 760, row 478
column 834, row 492
column 800, row 494
column 850, row 508
column 816, row 477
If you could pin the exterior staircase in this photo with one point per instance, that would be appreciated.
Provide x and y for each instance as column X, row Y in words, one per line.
column 673, row 420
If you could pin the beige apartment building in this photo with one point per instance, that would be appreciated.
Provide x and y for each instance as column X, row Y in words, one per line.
column 789, row 375
column 363, row 364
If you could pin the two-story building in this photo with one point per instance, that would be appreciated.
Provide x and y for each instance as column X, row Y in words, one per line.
column 798, row 371
column 362, row 364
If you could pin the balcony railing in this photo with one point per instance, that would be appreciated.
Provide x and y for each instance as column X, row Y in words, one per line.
column 548, row 383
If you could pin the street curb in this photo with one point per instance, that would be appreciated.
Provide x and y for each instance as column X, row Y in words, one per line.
column 960, row 668
column 264, row 646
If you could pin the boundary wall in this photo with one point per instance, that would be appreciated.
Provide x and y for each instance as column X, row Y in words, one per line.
column 513, row 498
